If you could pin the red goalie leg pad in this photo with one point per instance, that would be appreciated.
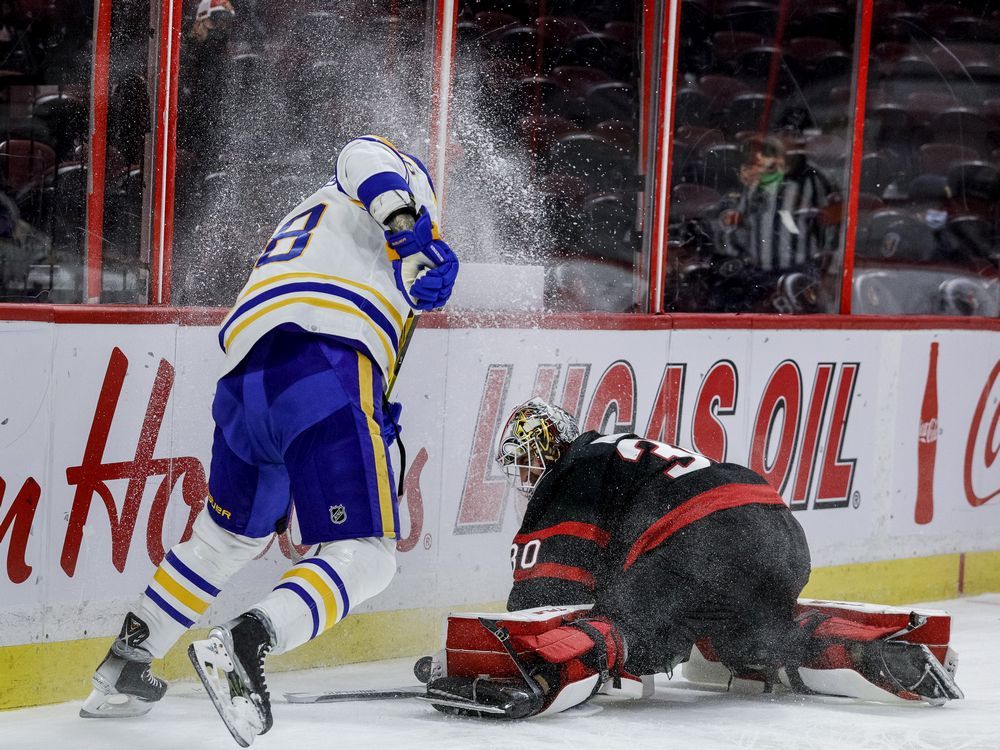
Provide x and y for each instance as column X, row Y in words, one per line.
column 836, row 628
column 472, row 650
column 861, row 622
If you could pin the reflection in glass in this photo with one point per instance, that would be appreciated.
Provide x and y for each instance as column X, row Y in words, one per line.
column 543, row 160
column 930, row 202
column 268, row 92
column 759, row 161
column 44, row 105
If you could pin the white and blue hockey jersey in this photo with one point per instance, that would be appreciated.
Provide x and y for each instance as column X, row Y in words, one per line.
column 327, row 267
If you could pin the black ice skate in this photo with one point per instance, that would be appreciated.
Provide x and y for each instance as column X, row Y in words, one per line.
column 123, row 683
column 237, row 649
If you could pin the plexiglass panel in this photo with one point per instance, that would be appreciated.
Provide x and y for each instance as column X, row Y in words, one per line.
column 760, row 159
column 543, row 188
column 269, row 92
column 930, row 200
column 45, row 70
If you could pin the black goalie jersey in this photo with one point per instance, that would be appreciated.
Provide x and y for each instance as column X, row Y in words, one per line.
column 667, row 543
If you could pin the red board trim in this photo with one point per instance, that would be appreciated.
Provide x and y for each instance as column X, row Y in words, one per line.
column 212, row 316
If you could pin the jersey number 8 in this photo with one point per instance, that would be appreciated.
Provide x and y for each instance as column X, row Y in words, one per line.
column 299, row 236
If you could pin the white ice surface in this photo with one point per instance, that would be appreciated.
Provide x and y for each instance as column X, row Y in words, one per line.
column 676, row 717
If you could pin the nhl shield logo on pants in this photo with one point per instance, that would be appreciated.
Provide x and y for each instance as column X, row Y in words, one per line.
column 338, row 514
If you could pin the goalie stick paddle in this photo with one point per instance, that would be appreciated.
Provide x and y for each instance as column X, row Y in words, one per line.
column 340, row 696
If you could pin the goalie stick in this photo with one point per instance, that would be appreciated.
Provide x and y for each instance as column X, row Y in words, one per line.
column 421, row 670
column 340, row 696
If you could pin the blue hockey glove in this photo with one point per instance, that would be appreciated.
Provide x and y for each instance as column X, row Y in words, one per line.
column 391, row 428
column 426, row 269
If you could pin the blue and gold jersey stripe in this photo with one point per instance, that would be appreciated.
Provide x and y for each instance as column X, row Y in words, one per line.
column 302, row 293
column 384, row 486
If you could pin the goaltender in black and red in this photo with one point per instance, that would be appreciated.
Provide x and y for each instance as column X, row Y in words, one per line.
column 672, row 549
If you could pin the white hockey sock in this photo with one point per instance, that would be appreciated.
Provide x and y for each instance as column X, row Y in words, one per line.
column 319, row 591
column 189, row 579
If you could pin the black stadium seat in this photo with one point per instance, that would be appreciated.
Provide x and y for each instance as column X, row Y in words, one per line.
column 897, row 236
column 591, row 157
column 613, row 100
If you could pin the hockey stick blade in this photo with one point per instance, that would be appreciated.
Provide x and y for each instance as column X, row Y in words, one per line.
column 340, row 696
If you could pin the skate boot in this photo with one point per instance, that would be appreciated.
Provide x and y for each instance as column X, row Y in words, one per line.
column 237, row 649
column 123, row 683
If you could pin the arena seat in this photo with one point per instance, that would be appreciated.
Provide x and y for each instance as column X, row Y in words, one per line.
column 518, row 43
column 966, row 127
column 562, row 27
column 970, row 237
column 745, row 112
column 896, row 235
column 755, row 16
column 539, row 132
column 721, row 167
column 875, row 293
column 600, row 50
column 974, row 184
column 691, row 107
column 537, row 95
column 491, row 20
column 579, row 78
column 728, row 44
column 612, row 100
column 691, row 201
column 591, row 157
column 24, row 163
column 720, row 90
column 938, row 158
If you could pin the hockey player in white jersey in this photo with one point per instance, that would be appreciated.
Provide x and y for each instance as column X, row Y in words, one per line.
column 299, row 412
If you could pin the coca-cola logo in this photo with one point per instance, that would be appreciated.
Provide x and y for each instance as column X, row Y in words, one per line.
column 928, row 431
column 981, row 469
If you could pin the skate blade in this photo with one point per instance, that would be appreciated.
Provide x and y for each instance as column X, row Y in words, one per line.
column 210, row 657
column 100, row 705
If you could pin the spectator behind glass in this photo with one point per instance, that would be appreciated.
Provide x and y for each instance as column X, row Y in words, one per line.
column 777, row 234
column 205, row 79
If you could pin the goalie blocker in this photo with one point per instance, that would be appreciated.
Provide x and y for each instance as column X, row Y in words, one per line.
column 542, row 661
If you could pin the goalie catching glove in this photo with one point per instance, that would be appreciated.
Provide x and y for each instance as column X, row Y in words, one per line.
column 426, row 268
column 556, row 669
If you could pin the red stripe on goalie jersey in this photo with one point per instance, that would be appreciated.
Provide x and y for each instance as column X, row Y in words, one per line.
column 721, row 498
column 554, row 570
column 569, row 528
column 556, row 564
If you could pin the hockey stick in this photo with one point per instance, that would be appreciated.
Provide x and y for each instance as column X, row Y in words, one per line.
column 404, row 343
column 339, row 696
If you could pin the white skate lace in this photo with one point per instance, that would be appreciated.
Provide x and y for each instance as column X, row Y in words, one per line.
column 148, row 677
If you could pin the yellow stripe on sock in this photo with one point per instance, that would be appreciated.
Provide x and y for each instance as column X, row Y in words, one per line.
column 180, row 593
column 314, row 579
column 378, row 446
